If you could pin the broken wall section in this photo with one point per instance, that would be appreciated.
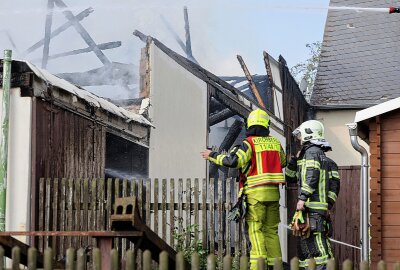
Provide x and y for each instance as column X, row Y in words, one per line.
column 177, row 107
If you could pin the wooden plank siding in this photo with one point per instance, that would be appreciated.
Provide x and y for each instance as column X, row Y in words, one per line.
column 376, row 191
column 66, row 146
column 385, row 186
column 346, row 215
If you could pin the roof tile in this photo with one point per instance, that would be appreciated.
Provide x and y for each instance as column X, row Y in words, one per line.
column 360, row 56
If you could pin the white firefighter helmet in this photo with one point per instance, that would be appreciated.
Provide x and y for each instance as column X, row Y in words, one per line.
column 309, row 130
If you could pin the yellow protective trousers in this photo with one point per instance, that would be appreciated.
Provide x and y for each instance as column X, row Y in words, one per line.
column 262, row 221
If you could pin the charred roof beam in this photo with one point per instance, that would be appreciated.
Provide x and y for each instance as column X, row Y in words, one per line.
column 215, row 106
column 82, row 31
column 60, row 29
column 174, row 34
column 252, row 85
column 227, row 143
column 102, row 46
column 220, row 116
column 47, row 33
column 186, row 47
column 218, row 88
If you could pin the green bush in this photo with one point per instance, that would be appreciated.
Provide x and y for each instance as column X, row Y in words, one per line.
column 187, row 243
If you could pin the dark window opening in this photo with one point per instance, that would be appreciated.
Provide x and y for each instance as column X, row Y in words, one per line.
column 120, row 210
column 125, row 159
column 129, row 209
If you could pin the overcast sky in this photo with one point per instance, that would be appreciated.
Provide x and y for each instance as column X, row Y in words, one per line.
column 220, row 29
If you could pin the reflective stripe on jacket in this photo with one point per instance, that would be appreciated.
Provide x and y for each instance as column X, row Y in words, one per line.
column 259, row 158
column 267, row 159
column 317, row 177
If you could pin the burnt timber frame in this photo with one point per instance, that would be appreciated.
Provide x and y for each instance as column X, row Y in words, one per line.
column 60, row 29
column 75, row 21
column 187, row 46
column 226, row 144
column 222, row 91
column 252, row 85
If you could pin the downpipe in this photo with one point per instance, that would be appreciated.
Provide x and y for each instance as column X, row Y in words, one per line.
column 364, row 192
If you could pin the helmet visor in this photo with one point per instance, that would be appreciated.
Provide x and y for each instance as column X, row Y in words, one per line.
column 297, row 134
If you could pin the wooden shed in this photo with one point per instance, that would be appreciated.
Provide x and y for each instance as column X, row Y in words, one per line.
column 60, row 130
column 379, row 126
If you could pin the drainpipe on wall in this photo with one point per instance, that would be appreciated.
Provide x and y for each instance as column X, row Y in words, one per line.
column 5, row 108
column 364, row 192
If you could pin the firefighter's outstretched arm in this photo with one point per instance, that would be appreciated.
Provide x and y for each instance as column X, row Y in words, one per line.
column 237, row 158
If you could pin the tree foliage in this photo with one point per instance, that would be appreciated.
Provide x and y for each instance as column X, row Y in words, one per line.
column 308, row 70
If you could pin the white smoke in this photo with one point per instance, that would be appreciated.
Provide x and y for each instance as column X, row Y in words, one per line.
column 22, row 25
column 218, row 33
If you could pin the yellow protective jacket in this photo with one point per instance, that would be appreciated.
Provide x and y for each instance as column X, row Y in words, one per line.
column 260, row 159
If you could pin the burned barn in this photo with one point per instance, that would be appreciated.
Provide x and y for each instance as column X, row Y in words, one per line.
column 192, row 109
column 182, row 109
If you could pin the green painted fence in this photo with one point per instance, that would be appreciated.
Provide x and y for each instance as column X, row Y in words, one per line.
column 82, row 260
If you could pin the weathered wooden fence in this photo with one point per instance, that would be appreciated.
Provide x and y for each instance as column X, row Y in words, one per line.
column 77, row 260
column 176, row 209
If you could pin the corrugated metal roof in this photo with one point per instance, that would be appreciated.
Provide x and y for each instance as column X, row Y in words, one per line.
column 360, row 57
column 89, row 97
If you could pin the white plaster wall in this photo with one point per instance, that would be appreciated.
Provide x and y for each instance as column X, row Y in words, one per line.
column 178, row 110
column 337, row 134
column 19, row 160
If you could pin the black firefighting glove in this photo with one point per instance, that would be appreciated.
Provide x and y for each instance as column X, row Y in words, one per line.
column 239, row 209
column 292, row 164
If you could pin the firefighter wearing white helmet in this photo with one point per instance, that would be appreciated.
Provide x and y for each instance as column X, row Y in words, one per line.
column 309, row 130
column 260, row 158
column 318, row 187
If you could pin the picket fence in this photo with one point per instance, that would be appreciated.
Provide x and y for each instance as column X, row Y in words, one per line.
column 194, row 209
column 78, row 260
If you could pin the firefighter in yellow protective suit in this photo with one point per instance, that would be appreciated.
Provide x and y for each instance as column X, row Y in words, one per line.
column 260, row 157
